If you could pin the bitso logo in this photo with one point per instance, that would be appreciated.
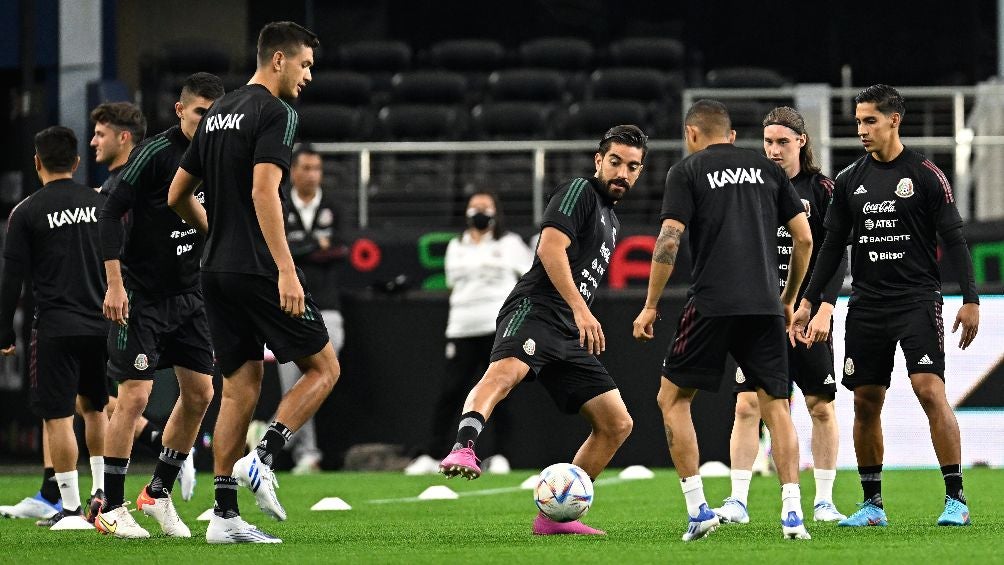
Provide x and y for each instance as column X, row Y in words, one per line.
column 529, row 346
column 849, row 366
column 141, row 362
column 740, row 377
column 904, row 188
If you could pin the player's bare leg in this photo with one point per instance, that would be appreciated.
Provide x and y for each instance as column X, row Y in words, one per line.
column 744, row 444
column 825, row 443
column 930, row 390
column 776, row 413
column 869, row 449
column 611, row 425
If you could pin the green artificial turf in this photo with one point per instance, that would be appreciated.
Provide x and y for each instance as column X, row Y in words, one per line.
column 490, row 523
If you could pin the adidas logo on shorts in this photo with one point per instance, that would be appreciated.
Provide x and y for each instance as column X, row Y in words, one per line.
column 925, row 360
column 829, row 380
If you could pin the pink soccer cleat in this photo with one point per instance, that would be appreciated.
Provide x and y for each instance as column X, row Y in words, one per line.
column 462, row 462
column 544, row 526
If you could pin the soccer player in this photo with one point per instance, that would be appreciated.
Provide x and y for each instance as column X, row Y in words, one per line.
column 732, row 201
column 893, row 203
column 154, row 300
column 254, row 294
column 53, row 236
column 786, row 143
column 545, row 328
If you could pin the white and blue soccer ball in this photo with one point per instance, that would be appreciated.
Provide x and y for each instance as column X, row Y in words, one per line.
column 564, row 492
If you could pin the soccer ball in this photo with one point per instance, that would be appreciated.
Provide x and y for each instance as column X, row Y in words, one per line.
column 564, row 492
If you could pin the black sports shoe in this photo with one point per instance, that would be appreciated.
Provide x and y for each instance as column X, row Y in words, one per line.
column 94, row 504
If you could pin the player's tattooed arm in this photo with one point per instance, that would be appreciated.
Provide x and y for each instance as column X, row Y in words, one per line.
column 667, row 245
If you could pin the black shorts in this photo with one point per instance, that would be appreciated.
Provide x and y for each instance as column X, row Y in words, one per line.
column 244, row 315
column 571, row 376
column 872, row 333
column 162, row 332
column 696, row 357
column 809, row 368
column 60, row 368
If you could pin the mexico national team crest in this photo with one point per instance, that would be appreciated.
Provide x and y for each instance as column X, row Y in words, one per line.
column 849, row 366
column 141, row 362
column 740, row 377
column 530, row 346
column 904, row 188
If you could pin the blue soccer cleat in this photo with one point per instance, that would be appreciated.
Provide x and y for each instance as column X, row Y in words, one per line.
column 792, row 527
column 867, row 515
column 701, row 525
column 956, row 513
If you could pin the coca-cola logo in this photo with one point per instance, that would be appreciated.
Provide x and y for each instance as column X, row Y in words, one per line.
column 883, row 207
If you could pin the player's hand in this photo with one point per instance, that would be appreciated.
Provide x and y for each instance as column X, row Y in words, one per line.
column 644, row 324
column 323, row 242
column 116, row 305
column 8, row 351
column 969, row 318
column 590, row 332
column 291, row 299
column 798, row 325
column 819, row 326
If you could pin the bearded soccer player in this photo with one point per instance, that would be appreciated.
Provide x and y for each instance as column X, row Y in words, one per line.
column 892, row 203
column 546, row 330
column 254, row 292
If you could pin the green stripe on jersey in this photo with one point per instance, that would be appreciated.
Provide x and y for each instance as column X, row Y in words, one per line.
column 292, row 119
column 132, row 171
column 572, row 196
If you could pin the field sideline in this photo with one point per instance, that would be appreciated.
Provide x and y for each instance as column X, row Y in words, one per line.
column 490, row 523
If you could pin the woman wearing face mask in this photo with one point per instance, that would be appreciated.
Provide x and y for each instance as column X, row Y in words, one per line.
column 482, row 266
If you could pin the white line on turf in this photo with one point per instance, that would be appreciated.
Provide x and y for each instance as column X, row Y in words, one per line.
column 486, row 492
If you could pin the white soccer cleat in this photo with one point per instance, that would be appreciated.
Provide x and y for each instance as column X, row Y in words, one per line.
column 119, row 523
column 71, row 522
column 31, row 507
column 187, row 477
column 825, row 511
column 257, row 476
column 792, row 527
column 701, row 525
column 733, row 511
column 236, row 530
column 162, row 510
column 422, row 465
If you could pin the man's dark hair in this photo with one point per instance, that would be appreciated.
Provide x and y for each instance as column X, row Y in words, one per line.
column 287, row 37
column 886, row 99
column 790, row 118
column 56, row 148
column 303, row 149
column 709, row 116
column 628, row 134
column 205, row 85
column 121, row 116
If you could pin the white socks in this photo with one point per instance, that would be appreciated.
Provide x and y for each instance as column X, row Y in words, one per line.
column 741, row 485
column 693, row 491
column 97, row 473
column 791, row 500
column 824, row 484
column 69, row 490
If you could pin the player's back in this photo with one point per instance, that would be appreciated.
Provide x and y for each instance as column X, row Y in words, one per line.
column 57, row 231
column 245, row 127
column 731, row 201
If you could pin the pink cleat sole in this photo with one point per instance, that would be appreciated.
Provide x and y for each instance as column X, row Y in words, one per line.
column 544, row 526
column 461, row 462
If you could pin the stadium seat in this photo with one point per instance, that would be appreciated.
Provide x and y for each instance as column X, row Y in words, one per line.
column 429, row 87
column 467, row 55
column 663, row 53
column 414, row 122
column 562, row 53
column 644, row 85
column 747, row 117
column 512, row 120
column 376, row 56
column 333, row 122
column 193, row 55
column 536, row 85
column 745, row 77
column 590, row 118
column 348, row 88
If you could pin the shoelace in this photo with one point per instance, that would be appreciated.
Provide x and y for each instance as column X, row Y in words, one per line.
column 269, row 476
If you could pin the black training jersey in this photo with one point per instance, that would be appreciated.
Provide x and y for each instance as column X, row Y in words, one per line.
column 585, row 214
column 731, row 200
column 892, row 213
column 815, row 191
column 113, row 179
column 54, row 233
column 245, row 127
column 163, row 252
